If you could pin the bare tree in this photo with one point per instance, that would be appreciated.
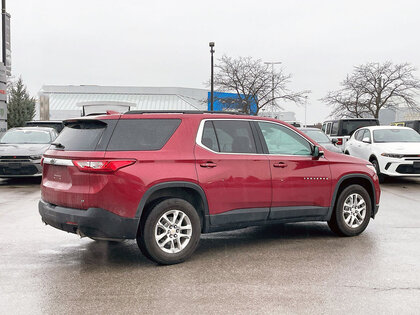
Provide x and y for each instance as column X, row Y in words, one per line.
column 374, row 86
column 254, row 83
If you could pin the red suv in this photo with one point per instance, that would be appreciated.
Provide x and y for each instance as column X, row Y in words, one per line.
column 165, row 178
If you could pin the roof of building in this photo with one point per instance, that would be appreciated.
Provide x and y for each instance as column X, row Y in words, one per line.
column 68, row 97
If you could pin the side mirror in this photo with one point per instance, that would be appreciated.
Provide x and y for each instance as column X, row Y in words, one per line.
column 334, row 141
column 317, row 153
column 366, row 140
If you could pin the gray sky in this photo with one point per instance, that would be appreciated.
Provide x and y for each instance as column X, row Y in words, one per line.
column 165, row 43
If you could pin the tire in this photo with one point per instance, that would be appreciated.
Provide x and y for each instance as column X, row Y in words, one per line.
column 375, row 164
column 163, row 239
column 344, row 211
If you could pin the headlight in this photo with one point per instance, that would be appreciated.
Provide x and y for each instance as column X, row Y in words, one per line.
column 36, row 157
column 370, row 166
column 393, row 155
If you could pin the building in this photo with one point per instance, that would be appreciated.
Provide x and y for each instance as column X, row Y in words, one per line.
column 280, row 115
column 57, row 102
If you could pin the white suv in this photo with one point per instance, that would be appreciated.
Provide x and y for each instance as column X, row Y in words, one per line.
column 393, row 150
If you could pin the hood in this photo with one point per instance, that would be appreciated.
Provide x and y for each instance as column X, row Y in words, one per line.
column 23, row 149
column 399, row 147
column 343, row 158
column 331, row 147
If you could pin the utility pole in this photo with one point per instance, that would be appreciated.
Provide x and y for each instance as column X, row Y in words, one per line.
column 211, row 44
column 3, row 30
column 273, row 103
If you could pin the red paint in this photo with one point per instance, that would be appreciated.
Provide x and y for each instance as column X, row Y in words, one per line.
column 230, row 181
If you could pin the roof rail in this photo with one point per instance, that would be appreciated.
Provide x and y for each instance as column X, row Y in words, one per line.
column 180, row 112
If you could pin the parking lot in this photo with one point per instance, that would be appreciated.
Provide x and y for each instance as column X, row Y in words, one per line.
column 293, row 268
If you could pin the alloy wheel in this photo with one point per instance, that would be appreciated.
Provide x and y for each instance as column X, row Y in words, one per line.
column 354, row 210
column 173, row 231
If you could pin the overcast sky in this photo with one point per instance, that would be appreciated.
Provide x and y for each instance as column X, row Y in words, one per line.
column 165, row 43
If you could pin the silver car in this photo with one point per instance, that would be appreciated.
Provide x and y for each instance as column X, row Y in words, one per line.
column 21, row 150
column 321, row 138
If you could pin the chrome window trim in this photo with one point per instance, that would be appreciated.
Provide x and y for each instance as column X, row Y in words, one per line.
column 201, row 129
column 61, row 162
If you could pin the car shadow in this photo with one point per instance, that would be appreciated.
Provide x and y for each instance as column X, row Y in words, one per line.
column 396, row 181
column 126, row 254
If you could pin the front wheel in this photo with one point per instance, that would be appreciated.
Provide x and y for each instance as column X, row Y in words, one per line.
column 171, row 232
column 352, row 213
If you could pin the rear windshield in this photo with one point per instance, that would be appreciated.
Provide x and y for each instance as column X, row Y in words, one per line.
column 350, row 126
column 56, row 126
column 80, row 135
column 142, row 134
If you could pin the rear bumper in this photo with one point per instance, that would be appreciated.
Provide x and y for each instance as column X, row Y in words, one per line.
column 94, row 222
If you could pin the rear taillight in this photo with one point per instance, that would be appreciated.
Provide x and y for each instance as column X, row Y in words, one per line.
column 339, row 141
column 101, row 166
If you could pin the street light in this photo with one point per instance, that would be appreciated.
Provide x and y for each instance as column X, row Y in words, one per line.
column 211, row 44
column 272, row 63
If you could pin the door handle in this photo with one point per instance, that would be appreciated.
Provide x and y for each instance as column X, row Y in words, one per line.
column 208, row 164
column 280, row 164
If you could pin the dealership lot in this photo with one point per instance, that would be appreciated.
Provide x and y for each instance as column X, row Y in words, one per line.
column 294, row 268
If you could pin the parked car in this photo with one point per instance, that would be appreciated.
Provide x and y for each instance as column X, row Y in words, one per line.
column 165, row 178
column 414, row 124
column 393, row 150
column 342, row 129
column 322, row 139
column 56, row 124
column 21, row 150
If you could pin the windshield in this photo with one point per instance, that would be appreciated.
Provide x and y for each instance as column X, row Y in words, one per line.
column 26, row 136
column 317, row 135
column 395, row 135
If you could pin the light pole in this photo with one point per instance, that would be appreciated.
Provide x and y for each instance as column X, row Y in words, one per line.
column 211, row 44
column 306, row 103
column 272, row 63
column 3, row 27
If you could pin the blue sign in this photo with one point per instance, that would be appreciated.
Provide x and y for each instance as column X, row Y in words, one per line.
column 229, row 102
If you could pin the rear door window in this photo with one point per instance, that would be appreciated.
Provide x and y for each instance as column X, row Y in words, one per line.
column 209, row 139
column 234, row 136
column 142, row 134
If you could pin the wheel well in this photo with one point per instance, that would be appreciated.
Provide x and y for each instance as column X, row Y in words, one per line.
column 372, row 157
column 188, row 194
column 364, row 182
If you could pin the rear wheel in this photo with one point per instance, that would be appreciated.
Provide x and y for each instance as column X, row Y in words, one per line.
column 352, row 213
column 171, row 232
column 375, row 164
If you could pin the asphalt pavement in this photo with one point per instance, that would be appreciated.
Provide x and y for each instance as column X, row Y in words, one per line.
column 293, row 268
